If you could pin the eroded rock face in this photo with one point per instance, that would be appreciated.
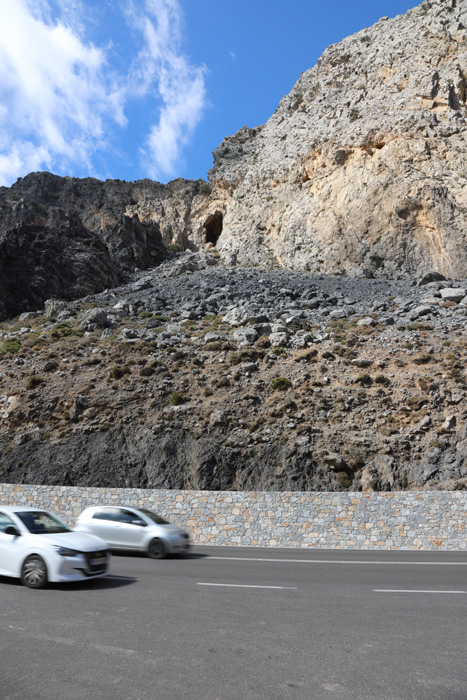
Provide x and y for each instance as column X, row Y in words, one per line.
column 361, row 170
column 38, row 261
column 68, row 237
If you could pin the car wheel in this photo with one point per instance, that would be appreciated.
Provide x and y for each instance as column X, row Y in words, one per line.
column 156, row 549
column 34, row 572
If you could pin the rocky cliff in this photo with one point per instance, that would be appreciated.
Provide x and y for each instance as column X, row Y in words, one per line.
column 361, row 170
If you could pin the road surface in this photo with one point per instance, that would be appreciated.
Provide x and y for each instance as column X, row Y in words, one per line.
column 243, row 624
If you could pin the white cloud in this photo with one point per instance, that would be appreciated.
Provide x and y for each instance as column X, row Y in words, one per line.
column 63, row 99
column 55, row 89
column 162, row 69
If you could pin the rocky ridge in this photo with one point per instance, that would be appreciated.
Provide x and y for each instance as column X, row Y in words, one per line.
column 195, row 375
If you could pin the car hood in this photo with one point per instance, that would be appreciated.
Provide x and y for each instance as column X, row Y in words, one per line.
column 74, row 540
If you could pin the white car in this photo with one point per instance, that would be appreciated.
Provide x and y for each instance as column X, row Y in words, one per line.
column 37, row 547
column 134, row 529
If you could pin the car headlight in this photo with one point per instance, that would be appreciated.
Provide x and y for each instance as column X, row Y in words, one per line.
column 65, row 551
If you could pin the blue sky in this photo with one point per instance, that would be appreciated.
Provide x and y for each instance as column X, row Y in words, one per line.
column 148, row 88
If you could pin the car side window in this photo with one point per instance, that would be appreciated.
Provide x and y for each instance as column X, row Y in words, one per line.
column 5, row 521
column 124, row 516
column 106, row 514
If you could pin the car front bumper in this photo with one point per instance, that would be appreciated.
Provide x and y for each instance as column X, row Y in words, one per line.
column 81, row 567
column 178, row 546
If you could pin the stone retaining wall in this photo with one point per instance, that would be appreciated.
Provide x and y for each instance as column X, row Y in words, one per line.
column 398, row 520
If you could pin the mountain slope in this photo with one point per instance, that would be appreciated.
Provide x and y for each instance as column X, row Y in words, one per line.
column 194, row 375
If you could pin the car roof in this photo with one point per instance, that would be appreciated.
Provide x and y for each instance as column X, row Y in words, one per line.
column 20, row 509
column 116, row 505
column 112, row 505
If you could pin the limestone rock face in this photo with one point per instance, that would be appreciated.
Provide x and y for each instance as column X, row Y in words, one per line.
column 362, row 168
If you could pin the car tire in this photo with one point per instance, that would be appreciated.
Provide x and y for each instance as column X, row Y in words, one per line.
column 34, row 572
column 156, row 549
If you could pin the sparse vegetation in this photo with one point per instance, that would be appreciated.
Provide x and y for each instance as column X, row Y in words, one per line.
column 281, row 384
column 177, row 398
column 34, row 381
column 117, row 372
column 11, row 345
column 364, row 380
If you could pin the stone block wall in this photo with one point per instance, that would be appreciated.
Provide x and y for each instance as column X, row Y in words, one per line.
column 398, row 520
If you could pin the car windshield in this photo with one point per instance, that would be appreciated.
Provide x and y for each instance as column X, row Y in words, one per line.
column 154, row 517
column 41, row 523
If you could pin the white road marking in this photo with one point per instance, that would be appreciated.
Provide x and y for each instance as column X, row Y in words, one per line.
column 241, row 585
column 345, row 561
column 402, row 590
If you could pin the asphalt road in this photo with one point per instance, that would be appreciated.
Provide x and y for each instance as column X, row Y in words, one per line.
column 243, row 624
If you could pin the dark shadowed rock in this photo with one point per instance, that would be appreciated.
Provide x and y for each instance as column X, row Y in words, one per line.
column 69, row 237
column 38, row 261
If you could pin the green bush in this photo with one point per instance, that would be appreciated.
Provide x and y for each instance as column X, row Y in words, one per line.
column 281, row 384
column 174, row 248
column 344, row 480
column 146, row 371
column 34, row 381
column 364, row 380
column 420, row 326
column 10, row 345
column 177, row 399
column 64, row 330
column 381, row 379
column 117, row 372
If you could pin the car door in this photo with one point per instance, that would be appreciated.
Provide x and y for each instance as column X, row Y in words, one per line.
column 10, row 548
column 104, row 524
column 129, row 529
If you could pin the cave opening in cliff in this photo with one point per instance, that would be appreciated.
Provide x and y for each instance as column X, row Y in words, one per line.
column 213, row 227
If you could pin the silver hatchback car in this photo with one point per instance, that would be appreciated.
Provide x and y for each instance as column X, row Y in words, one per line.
column 134, row 529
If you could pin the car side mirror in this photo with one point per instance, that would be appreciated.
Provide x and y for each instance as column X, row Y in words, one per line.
column 11, row 530
column 141, row 523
